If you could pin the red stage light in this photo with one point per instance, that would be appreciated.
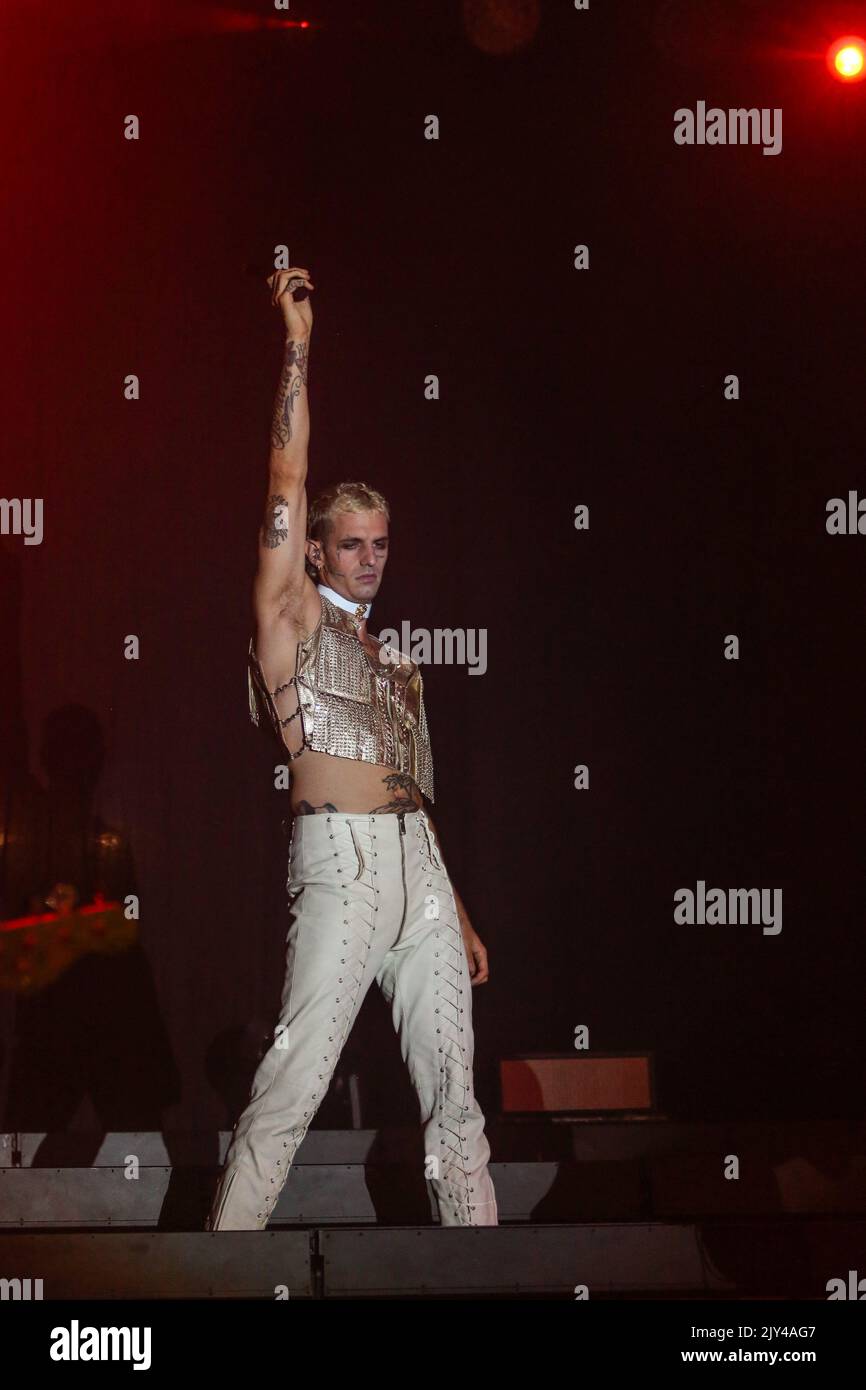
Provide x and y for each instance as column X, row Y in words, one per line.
column 846, row 58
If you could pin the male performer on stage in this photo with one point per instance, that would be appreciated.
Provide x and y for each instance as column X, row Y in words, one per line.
column 370, row 896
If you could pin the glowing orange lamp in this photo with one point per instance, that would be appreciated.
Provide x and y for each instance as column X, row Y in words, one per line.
column 846, row 58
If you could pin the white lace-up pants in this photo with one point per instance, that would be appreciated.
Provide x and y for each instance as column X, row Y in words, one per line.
column 370, row 900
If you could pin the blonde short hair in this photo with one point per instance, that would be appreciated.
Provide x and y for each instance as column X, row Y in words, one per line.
column 341, row 497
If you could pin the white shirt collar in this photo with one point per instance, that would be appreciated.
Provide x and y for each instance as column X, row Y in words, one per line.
column 348, row 605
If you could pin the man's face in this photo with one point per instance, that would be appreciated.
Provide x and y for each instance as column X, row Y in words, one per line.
column 354, row 554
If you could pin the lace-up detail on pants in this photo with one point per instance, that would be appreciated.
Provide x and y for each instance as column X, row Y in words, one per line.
column 353, row 922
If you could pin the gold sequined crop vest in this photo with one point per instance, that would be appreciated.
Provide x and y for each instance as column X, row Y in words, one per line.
column 348, row 705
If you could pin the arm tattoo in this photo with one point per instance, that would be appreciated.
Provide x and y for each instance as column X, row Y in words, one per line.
column 292, row 378
column 275, row 527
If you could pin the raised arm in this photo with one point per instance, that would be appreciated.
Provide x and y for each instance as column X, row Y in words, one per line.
column 281, row 577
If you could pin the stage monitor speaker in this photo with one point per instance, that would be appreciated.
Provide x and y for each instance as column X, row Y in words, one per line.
column 577, row 1083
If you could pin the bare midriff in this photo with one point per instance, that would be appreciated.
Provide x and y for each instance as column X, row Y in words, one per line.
column 321, row 782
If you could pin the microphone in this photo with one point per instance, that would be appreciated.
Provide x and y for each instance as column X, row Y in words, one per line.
column 260, row 270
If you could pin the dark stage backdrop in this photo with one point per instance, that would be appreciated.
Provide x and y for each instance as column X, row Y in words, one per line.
column 559, row 387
